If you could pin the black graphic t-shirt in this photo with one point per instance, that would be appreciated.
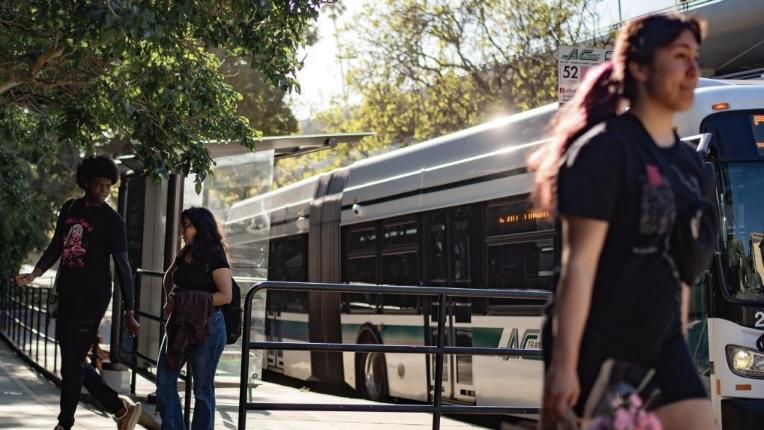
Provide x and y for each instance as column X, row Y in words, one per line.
column 192, row 276
column 88, row 237
column 635, row 301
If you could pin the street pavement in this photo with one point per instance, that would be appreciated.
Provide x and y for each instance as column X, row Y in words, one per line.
column 29, row 401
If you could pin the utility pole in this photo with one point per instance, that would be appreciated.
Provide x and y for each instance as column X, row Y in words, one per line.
column 620, row 15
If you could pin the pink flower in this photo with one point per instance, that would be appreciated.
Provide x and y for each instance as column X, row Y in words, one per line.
column 623, row 420
column 635, row 401
column 648, row 421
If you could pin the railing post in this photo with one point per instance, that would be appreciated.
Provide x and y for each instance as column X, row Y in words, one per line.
column 14, row 314
column 187, row 400
column 438, row 395
column 47, row 327
column 30, row 314
column 30, row 318
column 244, row 376
column 38, row 309
column 23, row 318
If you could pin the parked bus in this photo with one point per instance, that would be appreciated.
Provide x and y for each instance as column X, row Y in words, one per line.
column 456, row 211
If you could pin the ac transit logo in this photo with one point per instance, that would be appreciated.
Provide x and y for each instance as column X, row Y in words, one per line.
column 586, row 55
column 531, row 339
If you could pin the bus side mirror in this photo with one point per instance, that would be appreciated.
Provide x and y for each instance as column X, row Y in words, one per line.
column 704, row 146
column 701, row 143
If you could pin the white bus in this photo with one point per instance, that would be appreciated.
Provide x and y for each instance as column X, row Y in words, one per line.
column 455, row 211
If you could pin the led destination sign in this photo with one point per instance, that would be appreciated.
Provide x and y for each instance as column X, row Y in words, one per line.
column 516, row 217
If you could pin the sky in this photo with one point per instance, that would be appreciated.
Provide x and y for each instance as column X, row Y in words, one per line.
column 321, row 76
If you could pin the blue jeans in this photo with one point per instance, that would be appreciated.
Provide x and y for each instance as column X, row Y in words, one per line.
column 204, row 362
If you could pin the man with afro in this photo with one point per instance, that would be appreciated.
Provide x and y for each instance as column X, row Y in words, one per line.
column 88, row 231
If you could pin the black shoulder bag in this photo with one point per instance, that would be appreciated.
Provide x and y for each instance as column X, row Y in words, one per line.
column 232, row 314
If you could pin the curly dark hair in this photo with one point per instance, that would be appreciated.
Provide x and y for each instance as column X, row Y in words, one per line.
column 96, row 166
column 208, row 240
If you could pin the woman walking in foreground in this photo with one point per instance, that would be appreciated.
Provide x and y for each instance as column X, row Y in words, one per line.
column 621, row 183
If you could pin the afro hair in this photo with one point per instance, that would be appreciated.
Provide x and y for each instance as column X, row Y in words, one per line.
column 96, row 166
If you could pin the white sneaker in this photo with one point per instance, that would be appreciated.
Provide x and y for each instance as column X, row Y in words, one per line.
column 129, row 418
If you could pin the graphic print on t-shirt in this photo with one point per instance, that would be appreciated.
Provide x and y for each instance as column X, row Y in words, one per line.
column 658, row 206
column 76, row 243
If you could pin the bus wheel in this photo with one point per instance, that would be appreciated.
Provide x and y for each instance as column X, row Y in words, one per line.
column 371, row 372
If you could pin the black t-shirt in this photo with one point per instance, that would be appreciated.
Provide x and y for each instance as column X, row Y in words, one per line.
column 193, row 276
column 89, row 236
column 605, row 176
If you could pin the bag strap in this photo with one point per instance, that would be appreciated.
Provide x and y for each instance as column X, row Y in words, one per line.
column 68, row 208
column 65, row 210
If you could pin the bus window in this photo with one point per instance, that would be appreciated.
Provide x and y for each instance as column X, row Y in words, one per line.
column 437, row 255
column 524, row 265
column 360, row 266
column 363, row 239
column 400, row 269
column 295, row 259
column 399, row 234
column 400, row 264
column 288, row 261
column 362, row 269
column 275, row 257
column 461, row 251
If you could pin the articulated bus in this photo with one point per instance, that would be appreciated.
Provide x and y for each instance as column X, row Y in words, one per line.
column 455, row 211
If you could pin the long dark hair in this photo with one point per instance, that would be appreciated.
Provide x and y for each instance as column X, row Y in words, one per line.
column 208, row 240
column 603, row 89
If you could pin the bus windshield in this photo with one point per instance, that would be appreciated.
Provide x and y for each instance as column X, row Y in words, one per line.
column 738, row 142
column 742, row 211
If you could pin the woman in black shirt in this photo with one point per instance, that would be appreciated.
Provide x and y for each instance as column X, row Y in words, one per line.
column 619, row 288
column 196, row 285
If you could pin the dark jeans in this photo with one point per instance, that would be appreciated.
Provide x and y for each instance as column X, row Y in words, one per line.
column 75, row 340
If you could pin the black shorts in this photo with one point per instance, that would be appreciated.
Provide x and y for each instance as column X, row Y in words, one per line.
column 675, row 373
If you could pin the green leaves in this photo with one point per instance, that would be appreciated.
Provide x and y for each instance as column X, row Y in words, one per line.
column 129, row 76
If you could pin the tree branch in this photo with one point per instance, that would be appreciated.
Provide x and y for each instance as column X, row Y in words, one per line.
column 5, row 86
column 46, row 57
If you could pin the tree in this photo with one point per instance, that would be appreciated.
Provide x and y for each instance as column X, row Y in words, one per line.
column 424, row 68
column 261, row 103
column 507, row 48
column 126, row 76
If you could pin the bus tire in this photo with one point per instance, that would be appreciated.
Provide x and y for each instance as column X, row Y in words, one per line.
column 371, row 370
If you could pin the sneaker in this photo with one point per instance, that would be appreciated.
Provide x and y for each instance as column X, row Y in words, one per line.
column 129, row 418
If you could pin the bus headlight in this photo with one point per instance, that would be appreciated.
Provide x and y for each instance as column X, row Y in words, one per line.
column 745, row 362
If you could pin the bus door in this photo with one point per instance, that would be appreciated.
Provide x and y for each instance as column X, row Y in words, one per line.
column 448, row 261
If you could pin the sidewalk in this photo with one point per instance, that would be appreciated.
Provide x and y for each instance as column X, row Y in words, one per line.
column 227, row 412
column 29, row 401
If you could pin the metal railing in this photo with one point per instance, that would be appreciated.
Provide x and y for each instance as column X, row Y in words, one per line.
column 436, row 408
column 27, row 328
